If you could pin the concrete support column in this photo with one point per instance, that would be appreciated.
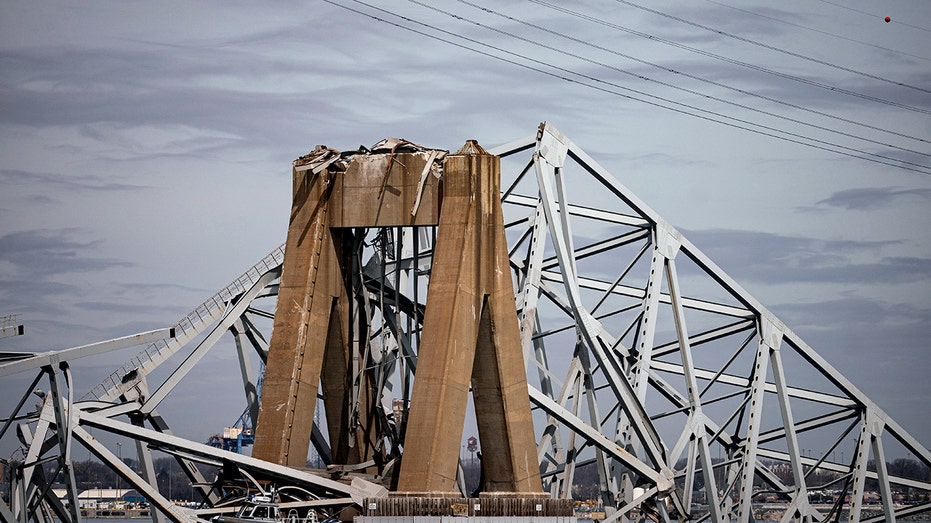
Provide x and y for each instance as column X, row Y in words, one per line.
column 309, row 290
column 470, row 336
column 311, row 347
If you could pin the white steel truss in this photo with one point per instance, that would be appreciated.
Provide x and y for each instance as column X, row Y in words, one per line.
column 10, row 326
column 645, row 361
column 711, row 369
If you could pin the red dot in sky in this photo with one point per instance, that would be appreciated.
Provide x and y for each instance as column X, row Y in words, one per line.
column 888, row 19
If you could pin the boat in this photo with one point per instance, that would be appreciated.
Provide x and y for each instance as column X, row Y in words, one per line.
column 257, row 509
column 263, row 509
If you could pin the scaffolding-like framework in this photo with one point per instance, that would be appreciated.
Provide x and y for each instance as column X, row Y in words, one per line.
column 645, row 360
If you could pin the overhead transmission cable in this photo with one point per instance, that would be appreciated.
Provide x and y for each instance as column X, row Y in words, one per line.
column 820, row 31
column 772, row 47
column 871, row 15
column 762, row 130
column 733, row 61
column 687, row 75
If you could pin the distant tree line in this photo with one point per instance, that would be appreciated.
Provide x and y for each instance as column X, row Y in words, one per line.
column 174, row 484
column 586, row 484
column 91, row 474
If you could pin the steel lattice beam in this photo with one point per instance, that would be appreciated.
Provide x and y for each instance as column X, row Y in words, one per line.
column 644, row 360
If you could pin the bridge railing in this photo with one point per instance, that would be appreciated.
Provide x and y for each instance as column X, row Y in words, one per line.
column 10, row 325
column 187, row 328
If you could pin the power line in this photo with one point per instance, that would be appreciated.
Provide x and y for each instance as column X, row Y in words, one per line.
column 733, row 61
column 761, row 15
column 871, row 15
column 674, row 71
column 811, row 141
column 772, row 47
column 767, row 131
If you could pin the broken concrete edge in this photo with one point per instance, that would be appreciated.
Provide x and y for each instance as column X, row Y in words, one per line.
column 323, row 156
column 471, row 147
column 364, row 490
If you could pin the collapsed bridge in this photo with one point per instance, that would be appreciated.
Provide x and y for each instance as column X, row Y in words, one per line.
column 586, row 329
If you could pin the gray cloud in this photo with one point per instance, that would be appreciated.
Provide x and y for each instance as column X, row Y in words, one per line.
column 44, row 253
column 31, row 296
column 873, row 96
column 852, row 312
column 731, row 20
column 861, row 337
column 148, row 287
column 135, row 309
column 41, row 199
column 68, row 182
column 775, row 258
column 871, row 197
column 266, row 85
column 251, row 99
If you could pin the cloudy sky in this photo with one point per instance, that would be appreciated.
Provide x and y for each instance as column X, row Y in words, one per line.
column 146, row 148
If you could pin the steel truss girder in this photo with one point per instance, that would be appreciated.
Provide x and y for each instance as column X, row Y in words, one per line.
column 62, row 420
column 773, row 390
column 155, row 439
column 620, row 333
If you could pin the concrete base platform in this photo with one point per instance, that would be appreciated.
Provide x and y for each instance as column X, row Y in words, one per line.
column 465, row 519
column 484, row 508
